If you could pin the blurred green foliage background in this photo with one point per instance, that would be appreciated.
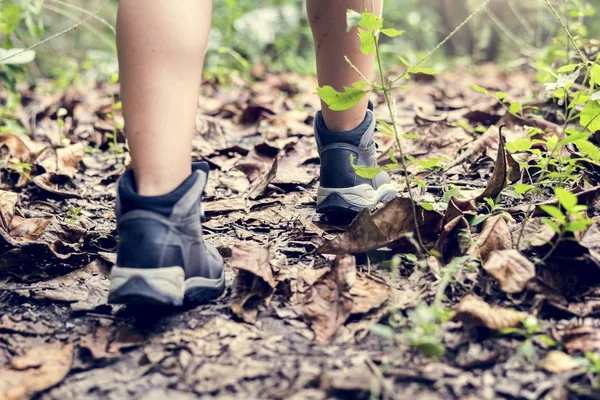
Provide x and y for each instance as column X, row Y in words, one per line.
column 274, row 33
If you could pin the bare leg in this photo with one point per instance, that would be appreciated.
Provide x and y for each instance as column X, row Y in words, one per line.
column 161, row 50
column 332, row 42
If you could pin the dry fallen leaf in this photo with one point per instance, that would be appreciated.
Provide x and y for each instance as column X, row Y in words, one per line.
column 259, row 186
column 558, row 362
column 368, row 294
column 512, row 270
column 393, row 221
column 108, row 341
column 254, row 283
column 495, row 235
column 38, row 369
column 498, row 180
column 328, row 304
column 474, row 311
column 579, row 336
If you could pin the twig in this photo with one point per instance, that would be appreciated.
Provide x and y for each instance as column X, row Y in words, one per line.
column 77, row 25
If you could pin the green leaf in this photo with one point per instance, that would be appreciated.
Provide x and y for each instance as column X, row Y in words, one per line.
column 595, row 74
column 352, row 19
column 522, row 188
column 595, row 96
column 61, row 112
column 384, row 331
column 555, row 213
column 427, row 206
column 392, row 156
column 566, row 199
column 546, row 339
column 578, row 226
column 515, row 108
column 430, row 163
column 552, row 224
column 589, row 117
column 480, row 89
column 567, row 68
column 16, row 56
column 385, row 128
column 391, row 32
column 412, row 136
column 519, row 145
column 421, row 70
column 579, row 97
column 371, row 22
column 364, row 172
column 367, row 42
column 10, row 17
column 340, row 101
column 588, row 149
column 405, row 61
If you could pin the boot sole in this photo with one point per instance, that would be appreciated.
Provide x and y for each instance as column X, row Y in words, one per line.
column 352, row 200
column 161, row 286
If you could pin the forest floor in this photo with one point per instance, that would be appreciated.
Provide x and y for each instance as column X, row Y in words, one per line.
column 296, row 322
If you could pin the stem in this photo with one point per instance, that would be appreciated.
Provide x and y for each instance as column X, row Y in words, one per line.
column 75, row 26
column 447, row 38
column 568, row 32
column 391, row 108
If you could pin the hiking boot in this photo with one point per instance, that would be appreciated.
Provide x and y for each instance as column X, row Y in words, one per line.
column 341, row 190
column 162, row 257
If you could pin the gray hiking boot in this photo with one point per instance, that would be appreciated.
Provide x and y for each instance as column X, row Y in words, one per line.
column 341, row 190
column 162, row 257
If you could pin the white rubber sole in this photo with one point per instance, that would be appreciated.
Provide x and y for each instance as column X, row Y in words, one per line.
column 156, row 285
column 362, row 196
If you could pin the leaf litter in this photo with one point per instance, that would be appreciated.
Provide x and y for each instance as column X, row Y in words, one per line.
column 296, row 322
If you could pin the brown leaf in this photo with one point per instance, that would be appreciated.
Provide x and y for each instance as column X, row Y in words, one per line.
column 512, row 270
column 38, row 369
column 449, row 243
column 514, row 169
column 368, row 294
column 108, row 341
column 21, row 147
column 328, row 303
column 535, row 234
column 68, row 158
column 498, row 180
column 495, row 235
column 8, row 203
column 85, row 288
column 254, row 283
column 60, row 185
column 579, row 337
column 558, row 362
column 474, row 311
column 392, row 222
column 259, row 187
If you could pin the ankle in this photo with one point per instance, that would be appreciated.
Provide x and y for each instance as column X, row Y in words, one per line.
column 158, row 184
column 346, row 123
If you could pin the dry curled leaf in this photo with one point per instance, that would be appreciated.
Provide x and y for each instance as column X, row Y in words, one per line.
column 368, row 294
column 38, row 369
column 328, row 304
column 254, row 283
column 474, row 311
column 558, row 362
column 495, row 235
column 579, row 336
column 498, row 180
column 392, row 222
column 512, row 270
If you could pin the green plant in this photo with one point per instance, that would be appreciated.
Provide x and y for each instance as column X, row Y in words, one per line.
column 531, row 332
column 73, row 215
